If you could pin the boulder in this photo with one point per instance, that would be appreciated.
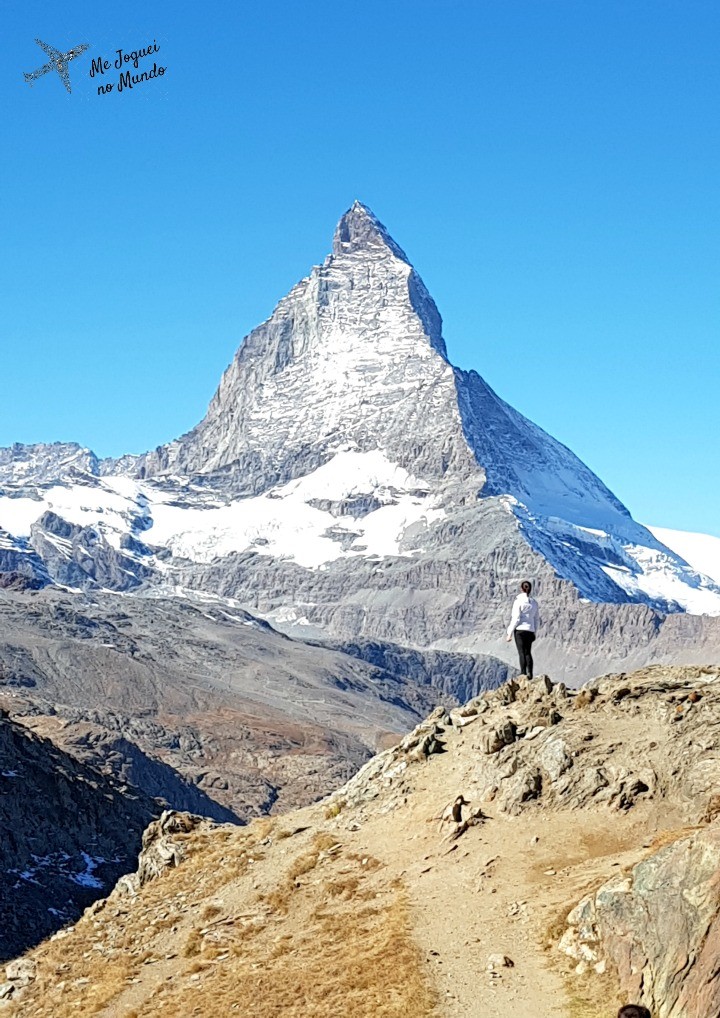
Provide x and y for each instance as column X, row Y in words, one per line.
column 163, row 847
column 658, row 929
column 499, row 961
column 492, row 740
column 555, row 758
column 21, row 972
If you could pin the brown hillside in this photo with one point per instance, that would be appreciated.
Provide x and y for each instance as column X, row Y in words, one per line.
column 369, row 904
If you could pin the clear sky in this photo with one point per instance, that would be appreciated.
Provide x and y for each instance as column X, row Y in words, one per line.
column 551, row 167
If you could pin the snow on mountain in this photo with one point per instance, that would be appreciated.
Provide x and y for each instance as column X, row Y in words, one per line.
column 355, row 504
column 341, row 436
column 303, row 519
column 353, row 357
column 701, row 551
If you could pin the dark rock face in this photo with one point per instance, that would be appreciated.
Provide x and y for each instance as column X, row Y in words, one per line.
column 83, row 557
column 19, row 581
column 95, row 738
column 18, row 558
column 459, row 677
column 68, row 834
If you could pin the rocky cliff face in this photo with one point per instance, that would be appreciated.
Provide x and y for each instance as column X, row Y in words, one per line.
column 658, row 928
column 68, row 834
column 42, row 464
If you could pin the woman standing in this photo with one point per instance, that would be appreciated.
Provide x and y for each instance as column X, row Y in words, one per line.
column 524, row 624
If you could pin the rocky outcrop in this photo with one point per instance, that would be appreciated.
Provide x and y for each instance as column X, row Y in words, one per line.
column 46, row 463
column 618, row 742
column 540, row 742
column 82, row 557
column 163, row 847
column 19, row 581
column 657, row 928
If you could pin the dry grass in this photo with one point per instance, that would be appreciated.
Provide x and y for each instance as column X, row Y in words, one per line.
column 336, row 963
column 583, row 1009
column 335, row 809
column 343, row 887
column 204, row 944
column 555, row 929
column 127, row 928
column 193, row 944
column 322, row 844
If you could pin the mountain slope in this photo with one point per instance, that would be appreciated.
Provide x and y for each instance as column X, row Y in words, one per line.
column 702, row 551
column 371, row 904
column 203, row 704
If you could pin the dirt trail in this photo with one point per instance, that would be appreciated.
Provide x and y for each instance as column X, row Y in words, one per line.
column 497, row 890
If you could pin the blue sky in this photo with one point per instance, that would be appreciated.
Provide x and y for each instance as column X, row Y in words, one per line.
column 551, row 167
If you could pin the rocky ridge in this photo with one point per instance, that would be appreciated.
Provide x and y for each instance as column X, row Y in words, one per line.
column 540, row 848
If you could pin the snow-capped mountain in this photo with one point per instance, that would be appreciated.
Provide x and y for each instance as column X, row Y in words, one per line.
column 349, row 480
column 701, row 551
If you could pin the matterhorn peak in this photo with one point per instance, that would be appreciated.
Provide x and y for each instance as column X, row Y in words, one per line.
column 360, row 230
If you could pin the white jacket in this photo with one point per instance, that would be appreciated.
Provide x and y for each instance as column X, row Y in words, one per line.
column 525, row 615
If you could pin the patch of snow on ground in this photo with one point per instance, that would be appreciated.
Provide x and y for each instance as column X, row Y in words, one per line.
column 279, row 523
column 86, row 878
column 98, row 507
column 352, row 473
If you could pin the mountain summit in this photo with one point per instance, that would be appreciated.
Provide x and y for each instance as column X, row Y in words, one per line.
column 354, row 355
column 348, row 480
column 359, row 229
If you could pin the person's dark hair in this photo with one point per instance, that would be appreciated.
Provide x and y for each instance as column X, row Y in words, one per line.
column 634, row 1011
column 526, row 586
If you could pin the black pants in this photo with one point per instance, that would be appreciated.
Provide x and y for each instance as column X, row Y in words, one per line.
column 523, row 642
